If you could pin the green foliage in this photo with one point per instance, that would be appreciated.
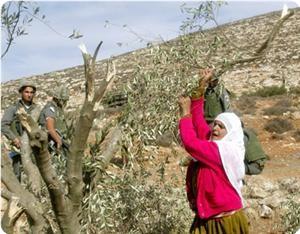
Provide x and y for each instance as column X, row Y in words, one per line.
column 278, row 125
column 269, row 91
column 59, row 163
column 154, row 93
column 295, row 90
column 291, row 219
column 16, row 16
column 113, row 99
column 246, row 104
column 198, row 16
column 131, row 204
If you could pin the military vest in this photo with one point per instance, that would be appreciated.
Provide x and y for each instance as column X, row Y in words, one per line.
column 254, row 151
column 60, row 122
column 16, row 126
column 216, row 101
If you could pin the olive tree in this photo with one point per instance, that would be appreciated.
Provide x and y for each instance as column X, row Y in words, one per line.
column 17, row 17
column 152, row 92
column 65, row 196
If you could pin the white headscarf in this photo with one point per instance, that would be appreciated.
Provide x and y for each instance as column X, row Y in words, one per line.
column 232, row 150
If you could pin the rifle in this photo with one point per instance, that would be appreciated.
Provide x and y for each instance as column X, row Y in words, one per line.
column 52, row 144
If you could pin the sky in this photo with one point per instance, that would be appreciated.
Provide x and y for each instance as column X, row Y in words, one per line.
column 123, row 26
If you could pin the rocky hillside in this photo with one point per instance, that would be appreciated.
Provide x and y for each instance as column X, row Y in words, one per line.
column 281, row 63
column 267, row 195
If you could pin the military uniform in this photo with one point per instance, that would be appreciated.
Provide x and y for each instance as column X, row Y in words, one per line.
column 10, row 124
column 217, row 101
column 52, row 110
column 11, row 128
column 255, row 156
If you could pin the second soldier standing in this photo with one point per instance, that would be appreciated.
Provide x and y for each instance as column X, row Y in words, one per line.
column 52, row 116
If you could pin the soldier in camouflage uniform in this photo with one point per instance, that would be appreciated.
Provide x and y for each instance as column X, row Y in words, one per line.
column 217, row 99
column 52, row 116
column 11, row 126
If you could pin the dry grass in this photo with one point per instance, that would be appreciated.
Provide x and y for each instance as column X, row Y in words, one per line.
column 279, row 108
column 246, row 104
column 269, row 91
column 278, row 125
column 295, row 90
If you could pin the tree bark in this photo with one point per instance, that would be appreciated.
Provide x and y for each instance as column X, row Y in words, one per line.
column 261, row 51
column 11, row 214
column 27, row 200
column 60, row 203
column 109, row 152
column 83, row 127
column 30, row 169
column 112, row 148
column 272, row 35
column 67, row 207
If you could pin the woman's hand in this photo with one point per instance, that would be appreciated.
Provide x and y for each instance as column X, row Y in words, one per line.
column 185, row 105
column 207, row 75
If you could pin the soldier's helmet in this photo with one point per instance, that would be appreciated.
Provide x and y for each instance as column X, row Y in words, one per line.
column 61, row 93
column 26, row 83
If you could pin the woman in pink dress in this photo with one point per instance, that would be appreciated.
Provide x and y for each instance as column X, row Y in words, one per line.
column 215, row 173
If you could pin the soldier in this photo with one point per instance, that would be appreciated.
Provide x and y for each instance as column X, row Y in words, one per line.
column 11, row 126
column 52, row 117
column 216, row 99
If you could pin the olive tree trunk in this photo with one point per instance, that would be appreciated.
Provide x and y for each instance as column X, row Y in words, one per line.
column 30, row 169
column 66, row 202
column 20, row 200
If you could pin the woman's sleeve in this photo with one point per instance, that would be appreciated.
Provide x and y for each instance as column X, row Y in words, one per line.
column 202, row 150
column 203, row 131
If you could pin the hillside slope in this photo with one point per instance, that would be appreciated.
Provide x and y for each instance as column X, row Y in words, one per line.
column 281, row 62
column 281, row 66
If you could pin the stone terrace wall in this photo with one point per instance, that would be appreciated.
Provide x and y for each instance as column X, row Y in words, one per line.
column 282, row 62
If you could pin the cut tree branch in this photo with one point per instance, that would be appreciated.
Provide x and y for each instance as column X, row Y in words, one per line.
column 39, row 144
column 83, row 127
column 112, row 148
column 27, row 200
column 11, row 214
column 30, row 169
column 272, row 35
column 261, row 51
column 11, row 31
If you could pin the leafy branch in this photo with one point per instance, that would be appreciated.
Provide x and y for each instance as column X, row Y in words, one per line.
column 17, row 16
